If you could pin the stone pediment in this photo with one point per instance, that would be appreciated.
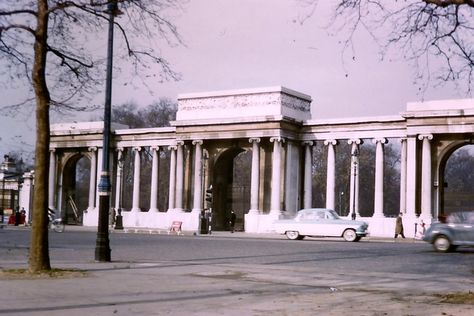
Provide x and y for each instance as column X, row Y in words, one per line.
column 275, row 102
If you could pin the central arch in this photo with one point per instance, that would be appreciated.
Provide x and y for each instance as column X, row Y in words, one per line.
column 452, row 197
column 231, row 182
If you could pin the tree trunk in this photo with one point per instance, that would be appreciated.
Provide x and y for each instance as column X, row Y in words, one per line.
column 39, row 248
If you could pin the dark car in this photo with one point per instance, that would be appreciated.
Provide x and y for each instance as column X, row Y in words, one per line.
column 458, row 230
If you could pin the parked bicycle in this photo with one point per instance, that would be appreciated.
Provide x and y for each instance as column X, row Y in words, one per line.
column 54, row 223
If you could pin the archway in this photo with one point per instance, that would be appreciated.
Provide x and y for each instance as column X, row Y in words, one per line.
column 231, row 183
column 457, row 185
column 75, row 193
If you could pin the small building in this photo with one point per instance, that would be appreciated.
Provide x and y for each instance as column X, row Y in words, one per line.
column 9, row 188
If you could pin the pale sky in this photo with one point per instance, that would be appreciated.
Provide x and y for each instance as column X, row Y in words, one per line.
column 238, row 44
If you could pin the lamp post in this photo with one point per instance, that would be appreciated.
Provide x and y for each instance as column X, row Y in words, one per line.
column 355, row 155
column 102, row 249
column 2, row 214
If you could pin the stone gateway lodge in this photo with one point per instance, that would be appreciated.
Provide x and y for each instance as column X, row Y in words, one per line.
column 274, row 128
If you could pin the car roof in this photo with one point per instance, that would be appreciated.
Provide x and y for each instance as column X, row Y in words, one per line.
column 315, row 209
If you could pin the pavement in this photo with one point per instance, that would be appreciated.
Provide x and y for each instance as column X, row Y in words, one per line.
column 196, row 288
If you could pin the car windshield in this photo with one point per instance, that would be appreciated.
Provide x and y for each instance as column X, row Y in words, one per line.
column 332, row 214
column 461, row 217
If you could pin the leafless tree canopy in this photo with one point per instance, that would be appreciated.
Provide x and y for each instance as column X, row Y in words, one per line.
column 76, row 43
column 437, row 35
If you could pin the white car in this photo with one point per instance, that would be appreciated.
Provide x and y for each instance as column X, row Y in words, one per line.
column 320, row 222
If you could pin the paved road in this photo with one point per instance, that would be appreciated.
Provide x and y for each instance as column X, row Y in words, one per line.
column 233, row 274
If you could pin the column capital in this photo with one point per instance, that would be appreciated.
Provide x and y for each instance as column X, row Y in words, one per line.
column 330, row 142
column 179, row 143
column 92, row 148
column 52, row 150
column 118, row 149
column 427, row 136
column 197, row 142
column 172, row 147
column 356, row 141
column 254, row 140
column 277, row 139
column 155, row 148
column 381, row 140
column 137, row 148
column 307, row 143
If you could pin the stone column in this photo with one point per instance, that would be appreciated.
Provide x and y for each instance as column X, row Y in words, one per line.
column 197, row 201
column 426, row 180
column 26, row 194
column 136, row 181
column 379, row 162
column 179, row 176
column 354, row 177
column 52, row 179
column 92, row 180
column 331, row 174
column 155, row 165
column 118, row 184
column 275, row 198
column 254, row 180
column 411, row 177
column 172, row 181
column 403, row 175
column 308, row 183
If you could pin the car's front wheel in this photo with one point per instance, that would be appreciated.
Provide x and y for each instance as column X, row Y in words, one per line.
column 350, row 235
column 293, row 235
column 442, row 244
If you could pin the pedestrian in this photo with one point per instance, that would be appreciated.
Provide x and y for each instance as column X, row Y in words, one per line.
column 420, row 230
column 232, row 221
column 399, row 226
column 23, row 216
column 17, row 217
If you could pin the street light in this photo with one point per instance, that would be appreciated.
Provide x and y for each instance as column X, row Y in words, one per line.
column 355, row 155
column 102, row 249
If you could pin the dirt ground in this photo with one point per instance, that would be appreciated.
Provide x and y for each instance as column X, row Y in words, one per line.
column 314, row 301
column 357, row 303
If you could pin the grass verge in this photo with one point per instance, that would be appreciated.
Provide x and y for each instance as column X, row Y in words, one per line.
column 458, row 298
column 25, row 274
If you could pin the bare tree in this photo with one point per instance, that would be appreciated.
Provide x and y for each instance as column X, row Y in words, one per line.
column 49, row 44
column 366, row 176
column 157, row 114
column 436, row 35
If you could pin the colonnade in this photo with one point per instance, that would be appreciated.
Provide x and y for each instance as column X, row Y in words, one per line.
column 177, row 176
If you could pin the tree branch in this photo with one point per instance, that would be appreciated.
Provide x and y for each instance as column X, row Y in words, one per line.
column 446, row 3
column 65, row 58
column 16, row 12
